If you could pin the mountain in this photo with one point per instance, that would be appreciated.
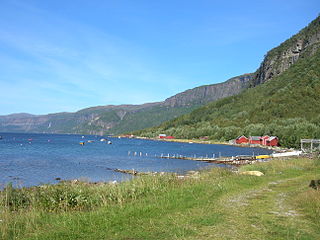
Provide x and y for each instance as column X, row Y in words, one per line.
column 19, row 115
column 283, row 100
column 204, row 94
column 124, row 118
column 279, row 59
column 220, row 119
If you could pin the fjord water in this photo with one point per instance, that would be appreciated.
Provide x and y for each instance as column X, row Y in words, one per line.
column 33, row 159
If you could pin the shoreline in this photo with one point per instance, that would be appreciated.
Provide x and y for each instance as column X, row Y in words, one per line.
column 256, row 194
column 199, row 141
column 58, row 178
column 137, row 174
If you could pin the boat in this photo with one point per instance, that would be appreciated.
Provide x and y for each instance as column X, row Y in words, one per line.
column 81, row 143
column 109, row 142
column 103, row 140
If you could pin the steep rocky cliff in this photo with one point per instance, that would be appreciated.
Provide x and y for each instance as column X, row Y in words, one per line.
column 208, row 93
column 303, row 44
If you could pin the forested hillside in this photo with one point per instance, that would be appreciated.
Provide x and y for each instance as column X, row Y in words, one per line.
column 286, row 105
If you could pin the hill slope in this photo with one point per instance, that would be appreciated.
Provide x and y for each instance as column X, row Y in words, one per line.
column 286, row 105
column 279, row 59
column 123, row 118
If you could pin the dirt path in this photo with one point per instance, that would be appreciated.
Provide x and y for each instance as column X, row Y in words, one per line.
column 263, row 213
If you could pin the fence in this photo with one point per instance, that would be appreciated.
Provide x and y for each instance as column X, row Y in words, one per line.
column 310, row 145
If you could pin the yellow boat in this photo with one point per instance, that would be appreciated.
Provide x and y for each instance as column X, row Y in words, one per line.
column 263, row 156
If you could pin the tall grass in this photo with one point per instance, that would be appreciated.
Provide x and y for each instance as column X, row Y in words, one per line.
column 150, row 207
column 77, row 195
column 21, row 208
column 309, row 201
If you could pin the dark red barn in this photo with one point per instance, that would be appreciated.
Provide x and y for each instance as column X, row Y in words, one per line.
column 242, row 139
column 273, row 141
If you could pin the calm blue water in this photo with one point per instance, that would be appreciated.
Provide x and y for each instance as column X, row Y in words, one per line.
column 26, row 162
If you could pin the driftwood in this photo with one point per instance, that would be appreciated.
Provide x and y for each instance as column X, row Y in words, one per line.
column 132, row 172
column 136, row 173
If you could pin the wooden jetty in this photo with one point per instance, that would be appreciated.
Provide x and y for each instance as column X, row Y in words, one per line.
column 237, row 160
column 234, row 160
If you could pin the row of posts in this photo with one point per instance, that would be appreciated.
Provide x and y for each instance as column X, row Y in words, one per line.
column 141, row 154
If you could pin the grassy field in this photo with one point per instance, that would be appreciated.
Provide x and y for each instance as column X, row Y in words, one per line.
column 216, row 204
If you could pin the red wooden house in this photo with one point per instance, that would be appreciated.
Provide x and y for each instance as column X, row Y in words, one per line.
column 169, row 137
column 265, row 139
column 242, row 139
column 162, row 135
column 255, row 140
column 272, row 141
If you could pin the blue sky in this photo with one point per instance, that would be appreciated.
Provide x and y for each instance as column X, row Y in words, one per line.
column 58, row 55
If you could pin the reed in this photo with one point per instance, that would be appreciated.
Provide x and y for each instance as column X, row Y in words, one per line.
column 80, row 195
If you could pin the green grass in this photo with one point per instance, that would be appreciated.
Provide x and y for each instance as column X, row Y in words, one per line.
column 219, row 204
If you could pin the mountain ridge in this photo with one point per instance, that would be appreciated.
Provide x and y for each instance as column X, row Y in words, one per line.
column 123, row 118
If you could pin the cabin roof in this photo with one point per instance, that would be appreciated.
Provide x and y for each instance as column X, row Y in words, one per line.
column 255, row 138
column 272, row 137
column 241, row 137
